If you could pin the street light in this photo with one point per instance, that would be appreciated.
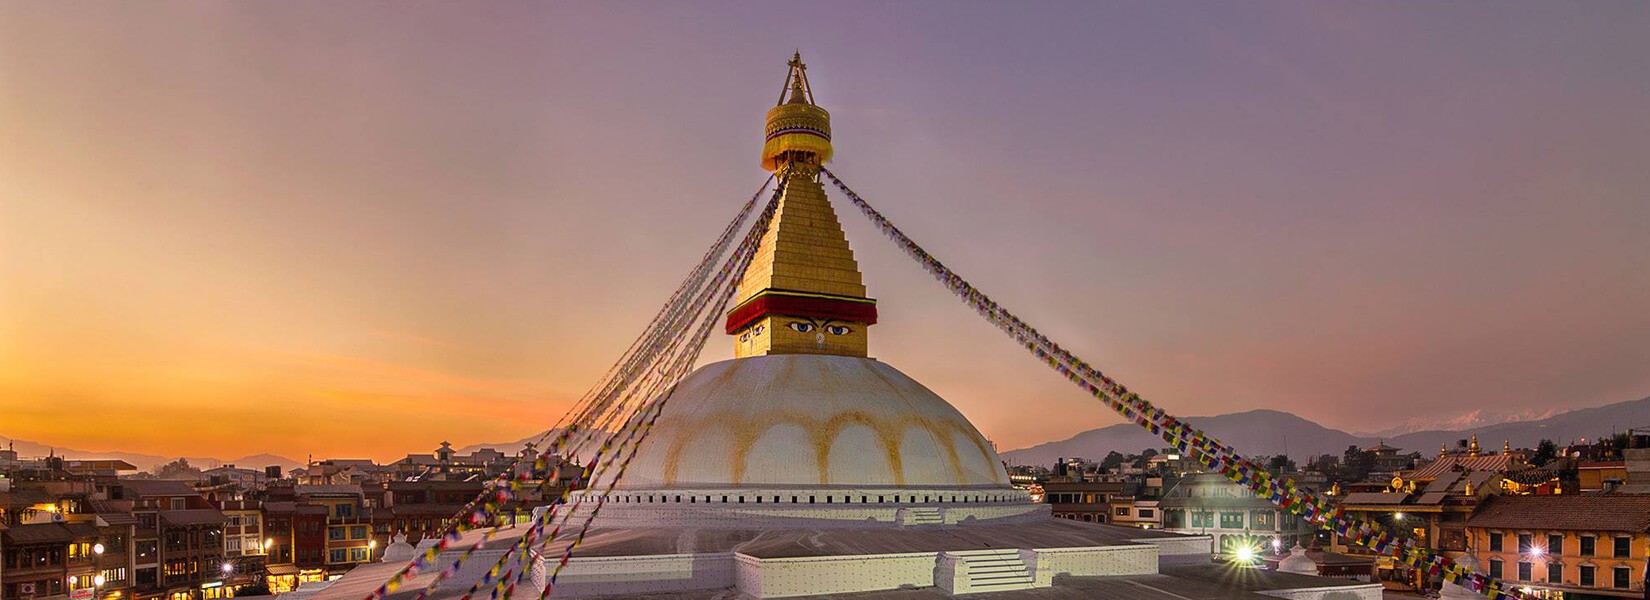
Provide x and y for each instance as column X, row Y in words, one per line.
column 227, row 569
column 97, row 548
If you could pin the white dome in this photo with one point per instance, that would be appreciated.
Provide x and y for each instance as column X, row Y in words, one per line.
column 1298, row 562
column 796, row 420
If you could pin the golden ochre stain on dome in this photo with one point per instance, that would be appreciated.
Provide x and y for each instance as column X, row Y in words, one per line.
column 746, row 430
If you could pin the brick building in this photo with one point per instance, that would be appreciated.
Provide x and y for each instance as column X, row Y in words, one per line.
column 1577, row 546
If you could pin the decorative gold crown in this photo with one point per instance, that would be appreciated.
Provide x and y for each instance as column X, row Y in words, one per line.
column 798, row 130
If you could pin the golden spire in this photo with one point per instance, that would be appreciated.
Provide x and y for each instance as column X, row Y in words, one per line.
column 1506, row 447
column 1443, row 450
column 802, row 293
column 1472, row 449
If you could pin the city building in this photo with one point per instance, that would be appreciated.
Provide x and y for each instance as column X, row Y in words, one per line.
column 244, row 479
column 1565, row 546
column 1230, row 514
column 244, row 544
column 297, row 538
column 1431, row 508
column 1087, row 501
column 178, row 541
column 1600, row 475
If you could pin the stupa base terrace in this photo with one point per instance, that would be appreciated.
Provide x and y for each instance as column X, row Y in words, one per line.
column 1043, row 558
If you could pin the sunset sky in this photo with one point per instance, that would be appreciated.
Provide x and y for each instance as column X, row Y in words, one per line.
column 356, row 230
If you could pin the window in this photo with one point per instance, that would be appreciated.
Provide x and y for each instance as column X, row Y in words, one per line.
column 1495, row 568
column 1121, row 511
column 1555, row 544
column 1623, row 576
column 1589, row 574
column 1526, row 542
column 1624, row 547
column 1263, row 519
column 1231, row 520
column 1555, row 573
column 1524, row 571
column 1147, row 513
column 358, row 555
column 178, row 504
column 233, row 544
column 1588, row 545
column 1495, row 542
column 358, row 532
column 335, row 533
column 1203, row 519
column 337, row 555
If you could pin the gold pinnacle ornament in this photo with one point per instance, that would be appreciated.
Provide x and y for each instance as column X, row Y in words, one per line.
column 802, row 293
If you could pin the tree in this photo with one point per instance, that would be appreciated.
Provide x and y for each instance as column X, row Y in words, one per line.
column 1356, row 464
column 1111, row 460
column 177, row 469
column 1545, row 452
column 1280, row 464
column 1324, row 463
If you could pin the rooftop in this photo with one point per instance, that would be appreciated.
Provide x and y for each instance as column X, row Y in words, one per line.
column 142, row 488
column 1592, row 512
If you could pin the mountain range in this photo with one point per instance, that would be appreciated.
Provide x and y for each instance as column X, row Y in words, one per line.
column 1270, row 432
column 1255, row 433
column 145, row 462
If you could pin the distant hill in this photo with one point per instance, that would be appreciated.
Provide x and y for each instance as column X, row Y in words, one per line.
column 512, row 447
column 259, row 461
column 1257, row 432
column 1264, row 432
column 144, row 462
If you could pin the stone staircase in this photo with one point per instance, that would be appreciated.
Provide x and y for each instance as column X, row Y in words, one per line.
column 982, row 571
column 922, row 515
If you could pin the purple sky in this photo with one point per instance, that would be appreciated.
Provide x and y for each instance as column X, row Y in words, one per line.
column 360, row 229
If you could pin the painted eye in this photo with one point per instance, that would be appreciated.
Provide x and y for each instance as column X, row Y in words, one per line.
column 802, row 327
column 838, row 329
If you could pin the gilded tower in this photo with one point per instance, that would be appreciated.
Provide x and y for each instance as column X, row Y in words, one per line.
column 802, row 293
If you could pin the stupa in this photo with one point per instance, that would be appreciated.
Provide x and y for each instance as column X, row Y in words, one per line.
column 803, row 467
column 801, row 428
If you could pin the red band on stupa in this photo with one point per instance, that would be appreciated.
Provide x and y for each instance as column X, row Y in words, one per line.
column 801, row 306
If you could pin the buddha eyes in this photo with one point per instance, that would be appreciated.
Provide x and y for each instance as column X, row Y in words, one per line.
column 806, row 327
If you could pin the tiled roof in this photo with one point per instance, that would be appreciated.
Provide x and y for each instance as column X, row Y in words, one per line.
column 280, row 507
column 48, row 533
column 25, row 497
column 1444, row 465
column 314, row 490
column 1374, row 498
column 1589, row 512
column 157, row 487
